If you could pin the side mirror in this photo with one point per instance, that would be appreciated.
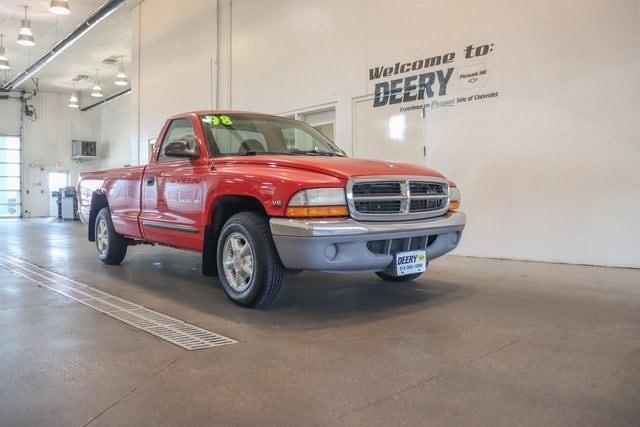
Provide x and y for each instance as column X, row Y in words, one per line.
column 182, row 148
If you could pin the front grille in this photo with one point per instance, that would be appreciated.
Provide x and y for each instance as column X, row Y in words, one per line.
column 425, row 205
column 397, row 198
column 376, row 188
column 377, row 246
column 426, row 188
column 389, row 206
column 393, row 246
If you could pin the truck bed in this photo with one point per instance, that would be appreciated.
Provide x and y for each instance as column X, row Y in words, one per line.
column 123, row 187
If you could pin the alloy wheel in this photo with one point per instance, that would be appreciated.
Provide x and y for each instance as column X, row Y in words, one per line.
column 102, row 236
column 238, row 262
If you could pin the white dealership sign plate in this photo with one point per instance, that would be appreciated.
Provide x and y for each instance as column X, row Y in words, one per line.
column 410, row 262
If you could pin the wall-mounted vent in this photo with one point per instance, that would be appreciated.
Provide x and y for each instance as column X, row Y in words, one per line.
column 112, row 60
column 80, row 78
column 83, row 150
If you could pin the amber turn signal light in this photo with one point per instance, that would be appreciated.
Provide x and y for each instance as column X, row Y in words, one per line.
column 454, row 205
column 316, row 211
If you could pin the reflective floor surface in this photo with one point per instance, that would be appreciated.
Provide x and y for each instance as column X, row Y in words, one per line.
column 473, row 341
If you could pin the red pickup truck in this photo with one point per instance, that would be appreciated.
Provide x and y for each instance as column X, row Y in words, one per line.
column 259, row 194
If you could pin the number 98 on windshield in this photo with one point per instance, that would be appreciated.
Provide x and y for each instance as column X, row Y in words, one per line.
column 220, row 120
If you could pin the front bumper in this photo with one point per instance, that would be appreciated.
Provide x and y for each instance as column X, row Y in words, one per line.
column 344, row 244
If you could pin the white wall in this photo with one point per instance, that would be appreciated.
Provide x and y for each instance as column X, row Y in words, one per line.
column 549, row 169
column 46, row 144
column 9, row 117
column 115, row 132
column 173, row 55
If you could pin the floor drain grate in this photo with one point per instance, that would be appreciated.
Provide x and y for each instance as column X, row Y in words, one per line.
column 166, row 327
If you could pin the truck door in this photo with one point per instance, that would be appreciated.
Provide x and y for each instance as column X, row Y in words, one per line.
column 172, row 190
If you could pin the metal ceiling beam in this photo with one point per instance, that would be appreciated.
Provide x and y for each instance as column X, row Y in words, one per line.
column 107, row 99
column 102, row 13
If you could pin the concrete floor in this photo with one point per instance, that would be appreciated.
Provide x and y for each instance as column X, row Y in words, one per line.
column 480, row 342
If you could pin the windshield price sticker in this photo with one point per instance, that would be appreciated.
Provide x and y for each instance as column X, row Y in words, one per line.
column 410, row 262
column 220, row 120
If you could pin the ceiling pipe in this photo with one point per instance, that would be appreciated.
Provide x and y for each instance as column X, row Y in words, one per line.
column 107, row 99
column 102, row 13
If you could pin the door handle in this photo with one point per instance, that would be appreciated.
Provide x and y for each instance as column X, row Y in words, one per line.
column 150, row 180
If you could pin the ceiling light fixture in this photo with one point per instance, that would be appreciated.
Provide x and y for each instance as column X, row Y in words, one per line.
column 121, row 77
column 59, row 7
column 74, row 100
column 98, row 16
column 25, row 37
column 4, row 62
column 97, row 90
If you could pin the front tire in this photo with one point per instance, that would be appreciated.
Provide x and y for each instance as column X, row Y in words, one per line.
column 249, row 267
column 393, row 278
column 112, row 247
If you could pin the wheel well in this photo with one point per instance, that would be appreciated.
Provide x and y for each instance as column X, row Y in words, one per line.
column 227, row 206
column 98, row 201
column 224, row 208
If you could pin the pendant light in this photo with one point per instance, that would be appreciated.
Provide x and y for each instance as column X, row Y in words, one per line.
column 121, row 77
column 74, row 99
column 4, row 62
column 59, row 7
column 97, row 90
column 25, row 38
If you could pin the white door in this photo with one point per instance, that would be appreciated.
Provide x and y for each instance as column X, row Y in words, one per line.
column 386, row 133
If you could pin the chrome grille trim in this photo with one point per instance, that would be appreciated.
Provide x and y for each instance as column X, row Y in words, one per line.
column 404, row 196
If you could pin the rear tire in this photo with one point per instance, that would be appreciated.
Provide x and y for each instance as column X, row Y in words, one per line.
column 393, row 278
column 112, row 247
column 248, row 265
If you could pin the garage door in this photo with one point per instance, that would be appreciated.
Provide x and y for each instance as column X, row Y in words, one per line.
column 9, row 176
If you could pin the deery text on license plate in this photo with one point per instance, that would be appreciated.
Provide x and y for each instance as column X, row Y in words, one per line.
column 410, row 262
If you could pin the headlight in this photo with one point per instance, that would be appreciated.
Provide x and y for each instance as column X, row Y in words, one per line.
column 454, row 198
column 319, row 197
column 318, row 202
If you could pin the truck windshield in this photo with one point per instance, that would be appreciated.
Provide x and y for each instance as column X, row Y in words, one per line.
column 238, row 134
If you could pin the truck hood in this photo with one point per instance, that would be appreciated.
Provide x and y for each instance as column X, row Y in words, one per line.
column 339, row 167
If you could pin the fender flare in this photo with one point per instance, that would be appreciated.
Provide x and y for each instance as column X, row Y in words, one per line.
column 98, row 201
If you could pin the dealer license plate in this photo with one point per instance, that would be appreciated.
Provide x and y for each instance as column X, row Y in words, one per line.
column 410, row 262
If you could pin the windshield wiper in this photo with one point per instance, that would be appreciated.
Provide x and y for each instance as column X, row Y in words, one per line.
column 258, row 152
column 313, row 153
column 291, row 152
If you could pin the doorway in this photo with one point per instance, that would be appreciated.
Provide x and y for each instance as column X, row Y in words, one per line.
column 57, row 180
column 322, row 121
column 321, row 118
